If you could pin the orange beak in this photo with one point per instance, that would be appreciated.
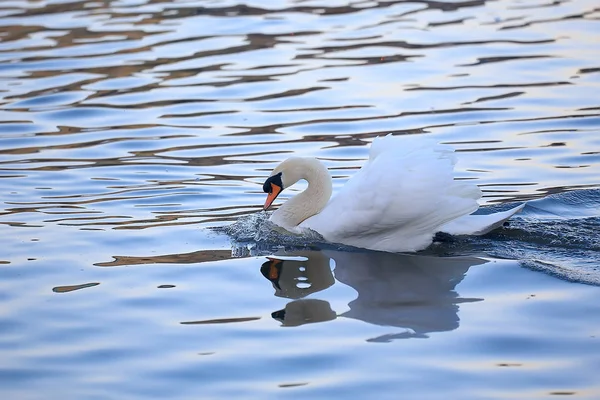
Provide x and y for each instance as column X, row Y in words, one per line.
column 275, row 190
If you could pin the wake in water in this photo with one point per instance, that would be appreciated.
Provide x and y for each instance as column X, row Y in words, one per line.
column 559, row 235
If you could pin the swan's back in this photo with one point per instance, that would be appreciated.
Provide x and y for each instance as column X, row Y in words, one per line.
column 399, row 199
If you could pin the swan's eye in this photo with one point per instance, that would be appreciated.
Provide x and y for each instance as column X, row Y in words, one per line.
column 275, row 179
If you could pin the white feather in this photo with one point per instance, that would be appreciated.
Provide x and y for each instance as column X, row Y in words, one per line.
column 398, row 200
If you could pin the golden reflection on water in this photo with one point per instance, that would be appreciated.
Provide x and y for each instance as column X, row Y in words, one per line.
column 189, row 258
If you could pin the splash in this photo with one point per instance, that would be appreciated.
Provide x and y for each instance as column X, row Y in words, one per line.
column 255, row 235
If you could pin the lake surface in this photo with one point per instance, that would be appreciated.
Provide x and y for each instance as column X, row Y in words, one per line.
column 134, row 140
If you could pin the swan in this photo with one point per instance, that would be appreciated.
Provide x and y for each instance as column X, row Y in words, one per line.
column 401, row 197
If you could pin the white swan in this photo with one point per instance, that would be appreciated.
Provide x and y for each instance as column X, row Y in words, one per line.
column 396, row 202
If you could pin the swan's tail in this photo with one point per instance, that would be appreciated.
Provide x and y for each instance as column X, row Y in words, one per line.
column 479, row 224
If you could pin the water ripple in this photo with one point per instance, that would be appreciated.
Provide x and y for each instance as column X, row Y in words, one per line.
column 130, row 127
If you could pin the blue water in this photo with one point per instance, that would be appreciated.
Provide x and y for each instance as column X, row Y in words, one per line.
column 134, row 140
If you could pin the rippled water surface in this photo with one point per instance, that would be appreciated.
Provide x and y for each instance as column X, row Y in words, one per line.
column 130, row 129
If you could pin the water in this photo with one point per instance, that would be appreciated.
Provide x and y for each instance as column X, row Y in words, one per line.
column 130, row 129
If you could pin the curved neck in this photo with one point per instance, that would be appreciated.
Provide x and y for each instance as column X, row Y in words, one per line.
column 311, row 201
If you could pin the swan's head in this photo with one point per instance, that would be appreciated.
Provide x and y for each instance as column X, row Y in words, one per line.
column 285, row 175
column 272, row 186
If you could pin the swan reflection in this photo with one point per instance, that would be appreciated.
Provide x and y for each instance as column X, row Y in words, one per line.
column 305, row 311
column 413, row 292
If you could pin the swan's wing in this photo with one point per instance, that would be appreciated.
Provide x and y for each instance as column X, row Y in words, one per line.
column 401, row 147
column 399, row 199
column 479, row 224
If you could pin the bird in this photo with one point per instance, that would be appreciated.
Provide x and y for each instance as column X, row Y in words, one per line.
column 400, row 198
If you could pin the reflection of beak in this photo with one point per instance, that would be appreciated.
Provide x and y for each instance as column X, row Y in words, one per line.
column 279, row 315
column 274, row 267
column 271, row 270
column 275, row 190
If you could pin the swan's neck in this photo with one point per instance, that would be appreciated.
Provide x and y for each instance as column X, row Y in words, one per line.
column 311, row 201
